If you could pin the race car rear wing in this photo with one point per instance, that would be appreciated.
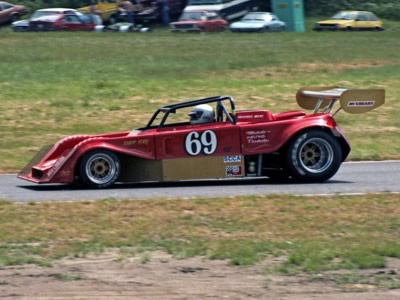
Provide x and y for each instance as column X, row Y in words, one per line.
column 353, row 101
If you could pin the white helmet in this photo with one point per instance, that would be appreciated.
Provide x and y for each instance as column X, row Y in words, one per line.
column 202, row 113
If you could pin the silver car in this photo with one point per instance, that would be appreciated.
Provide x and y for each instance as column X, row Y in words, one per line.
column 258, row 22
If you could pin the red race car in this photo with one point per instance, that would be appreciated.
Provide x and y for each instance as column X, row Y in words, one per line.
column 208, row 139
column 62, row 22
column 199, row 21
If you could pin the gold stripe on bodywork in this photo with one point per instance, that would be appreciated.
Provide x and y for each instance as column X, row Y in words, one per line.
column 197, row 167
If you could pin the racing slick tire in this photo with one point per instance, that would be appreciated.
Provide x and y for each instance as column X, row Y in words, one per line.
column 99, row 169
column 313, row 156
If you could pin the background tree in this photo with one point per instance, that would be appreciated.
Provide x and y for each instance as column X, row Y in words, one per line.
column 389, row 9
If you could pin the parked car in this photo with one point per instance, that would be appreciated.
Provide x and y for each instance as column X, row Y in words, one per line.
column 207, row 139
column 104, row 9
column 197, row 21
column 351, row 20
column 62, row 22
column 124, row 27
column 258, row 22
column 10, row 13
column 151, row 11
column 227, row 9
column 23, row 25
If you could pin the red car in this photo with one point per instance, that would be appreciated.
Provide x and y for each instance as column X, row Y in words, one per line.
column 199, row 21
column 208, row 139
column 10, row 13
column 62, row 22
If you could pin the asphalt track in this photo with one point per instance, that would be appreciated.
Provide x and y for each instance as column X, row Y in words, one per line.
column 352, row 178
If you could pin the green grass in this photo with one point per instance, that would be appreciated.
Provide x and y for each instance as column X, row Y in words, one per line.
column 378, row 280
column 58, row 84
column 310, row 234
column 65, row 277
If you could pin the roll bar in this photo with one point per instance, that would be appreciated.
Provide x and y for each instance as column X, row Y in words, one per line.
column 173, row 107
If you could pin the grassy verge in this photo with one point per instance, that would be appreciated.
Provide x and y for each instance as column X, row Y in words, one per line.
column 311, row 234
column 57, row 84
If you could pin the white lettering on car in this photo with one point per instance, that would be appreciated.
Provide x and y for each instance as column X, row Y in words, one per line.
column 232, row 158
column 366, row 103
column 257, row 137
column 204, row 142
column 55, row 166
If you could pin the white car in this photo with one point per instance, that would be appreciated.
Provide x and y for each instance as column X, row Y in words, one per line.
column 258, row 22
column 23, row 25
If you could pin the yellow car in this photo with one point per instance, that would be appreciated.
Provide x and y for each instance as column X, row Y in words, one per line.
column 350, row 20
column 106, row 10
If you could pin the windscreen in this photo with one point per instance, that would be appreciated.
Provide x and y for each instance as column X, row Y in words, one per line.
column 192, row 16
column 344, row 16
column 204, row 2
column 257, row 17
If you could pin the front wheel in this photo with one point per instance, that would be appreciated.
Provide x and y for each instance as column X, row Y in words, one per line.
column 314, row 156
column 99, row 169
column 14, row 18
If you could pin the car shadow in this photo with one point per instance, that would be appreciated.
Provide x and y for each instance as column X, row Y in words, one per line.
column 178, row 184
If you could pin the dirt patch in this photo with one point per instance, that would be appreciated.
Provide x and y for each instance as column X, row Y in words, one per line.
column 159, row 276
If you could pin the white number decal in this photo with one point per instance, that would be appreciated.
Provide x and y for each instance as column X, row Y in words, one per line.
column 196, row 143
column 192, row 143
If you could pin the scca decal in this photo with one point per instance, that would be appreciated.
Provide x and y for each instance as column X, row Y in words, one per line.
column 204, row 142
column 232, row 158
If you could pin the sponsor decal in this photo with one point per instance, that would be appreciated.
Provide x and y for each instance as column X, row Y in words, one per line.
column 256, row 136
column 56, row 165
column 136, row 142
column 201, row 142
column 250, row 116
column 366, row 103
column 232, row 158
column 129, row 143
column 66, row 173
column 232, row 171
column 143, row 142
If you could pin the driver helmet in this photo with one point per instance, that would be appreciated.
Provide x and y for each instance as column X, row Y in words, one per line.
column 202, row 113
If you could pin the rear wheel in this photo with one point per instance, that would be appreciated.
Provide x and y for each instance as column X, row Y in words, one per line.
column 18, row 29
column 221, row 29
column 14, row 18
column 99, row 169
column 113, row 19
column 314, row 156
